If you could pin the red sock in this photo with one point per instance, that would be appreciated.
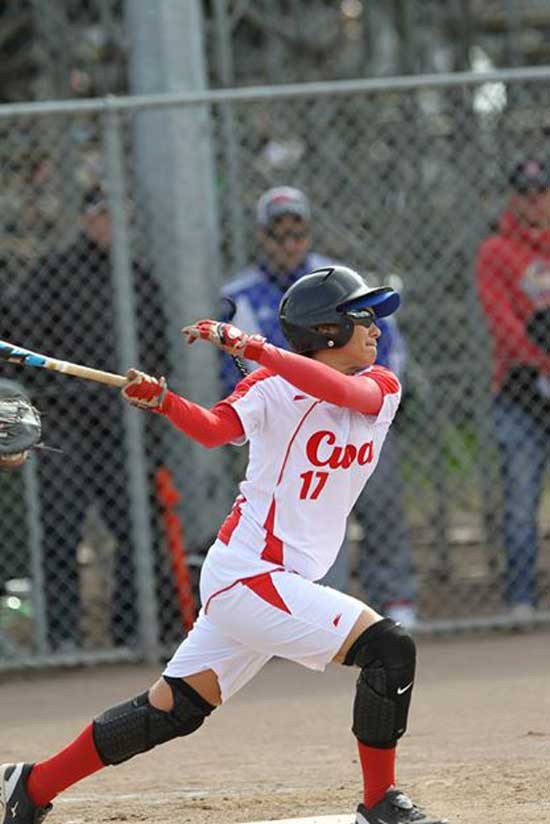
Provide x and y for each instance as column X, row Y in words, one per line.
column 378, row 768
column 75, row 762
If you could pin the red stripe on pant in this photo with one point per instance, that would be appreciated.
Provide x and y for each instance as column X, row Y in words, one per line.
column 264, row 587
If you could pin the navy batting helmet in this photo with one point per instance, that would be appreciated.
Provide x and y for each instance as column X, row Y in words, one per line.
column 333, row 295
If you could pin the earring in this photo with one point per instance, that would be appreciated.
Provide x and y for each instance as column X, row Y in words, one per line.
column 330, row 343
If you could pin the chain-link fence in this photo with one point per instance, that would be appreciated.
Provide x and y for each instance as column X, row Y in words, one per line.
column 121, row 221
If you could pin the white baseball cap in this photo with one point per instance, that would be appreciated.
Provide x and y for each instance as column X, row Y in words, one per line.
column 282, row 200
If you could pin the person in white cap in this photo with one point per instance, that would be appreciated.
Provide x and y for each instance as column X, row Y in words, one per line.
column 283, row 218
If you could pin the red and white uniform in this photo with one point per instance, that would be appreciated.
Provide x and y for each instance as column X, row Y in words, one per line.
column 308, row 463
column 309, row 460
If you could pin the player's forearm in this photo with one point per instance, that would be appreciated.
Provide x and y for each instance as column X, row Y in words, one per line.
column 209, row 427
column 323, row 382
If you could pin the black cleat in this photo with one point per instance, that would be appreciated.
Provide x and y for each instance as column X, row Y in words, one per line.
column 15, row 805
column 395, row 808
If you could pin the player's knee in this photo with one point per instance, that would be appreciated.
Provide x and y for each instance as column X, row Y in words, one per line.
column 136, row 726
column 386, row 654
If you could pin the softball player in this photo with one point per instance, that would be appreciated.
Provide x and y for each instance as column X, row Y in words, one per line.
column 315, row 427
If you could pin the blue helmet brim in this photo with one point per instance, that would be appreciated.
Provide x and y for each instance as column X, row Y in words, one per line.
column 384, row 303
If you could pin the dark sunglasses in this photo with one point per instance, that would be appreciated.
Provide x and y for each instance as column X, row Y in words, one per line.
column 292, row 234
column 362, row 317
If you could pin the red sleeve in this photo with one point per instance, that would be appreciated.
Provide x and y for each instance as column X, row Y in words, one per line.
column 494, row 294
column 385, row 378
column 363, row 394
column 210, row 427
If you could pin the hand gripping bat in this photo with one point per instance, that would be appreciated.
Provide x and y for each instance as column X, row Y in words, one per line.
column 24, row 357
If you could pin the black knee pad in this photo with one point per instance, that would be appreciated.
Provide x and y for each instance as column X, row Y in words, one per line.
column 386, row 654
column 136, row 726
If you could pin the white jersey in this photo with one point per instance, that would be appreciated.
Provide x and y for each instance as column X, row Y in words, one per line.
column 309, row 461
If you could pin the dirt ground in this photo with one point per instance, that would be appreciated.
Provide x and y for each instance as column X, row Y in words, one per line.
column 478, row 747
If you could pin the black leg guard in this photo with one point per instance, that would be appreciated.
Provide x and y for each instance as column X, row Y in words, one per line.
column 136, row 726
column 387, row 657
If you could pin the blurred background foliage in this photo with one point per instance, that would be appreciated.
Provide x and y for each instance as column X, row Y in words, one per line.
column 78, row 48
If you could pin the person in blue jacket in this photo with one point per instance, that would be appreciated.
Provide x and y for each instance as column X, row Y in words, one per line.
column 283, row 216
column 251, row 301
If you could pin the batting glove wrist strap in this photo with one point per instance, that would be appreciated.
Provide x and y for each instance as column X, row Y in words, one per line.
column 144, row 391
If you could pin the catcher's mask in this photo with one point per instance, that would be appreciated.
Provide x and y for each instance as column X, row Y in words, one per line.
column 333, row 295
column 20, row 426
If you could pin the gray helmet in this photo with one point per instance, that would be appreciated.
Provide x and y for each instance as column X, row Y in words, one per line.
column 332, row 295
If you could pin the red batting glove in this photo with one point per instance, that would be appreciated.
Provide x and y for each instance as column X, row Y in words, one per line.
column 143, row 391
column 227, row 337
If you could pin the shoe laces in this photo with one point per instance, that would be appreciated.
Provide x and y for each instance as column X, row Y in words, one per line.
column 399, row 799
column 403, row 803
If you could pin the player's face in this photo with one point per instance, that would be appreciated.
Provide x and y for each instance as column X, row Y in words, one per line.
column 362, row 348
column 286, row 242
column 358, row 353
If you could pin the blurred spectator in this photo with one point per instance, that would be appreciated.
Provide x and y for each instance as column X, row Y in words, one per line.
column 66, row 308
column 283, row 216
column 513, row 280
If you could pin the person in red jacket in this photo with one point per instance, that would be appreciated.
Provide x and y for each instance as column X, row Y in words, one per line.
column 513, row 282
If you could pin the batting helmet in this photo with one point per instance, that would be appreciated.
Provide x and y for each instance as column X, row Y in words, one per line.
column 333, row 295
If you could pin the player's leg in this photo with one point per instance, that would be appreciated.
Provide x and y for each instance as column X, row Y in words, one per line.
column 296, row 619
column 314, row 625
column 26, row 790
column 206, row 669
column 386, row 656
column 205, row 683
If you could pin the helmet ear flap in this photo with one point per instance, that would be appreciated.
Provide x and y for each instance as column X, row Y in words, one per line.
column 345, row 331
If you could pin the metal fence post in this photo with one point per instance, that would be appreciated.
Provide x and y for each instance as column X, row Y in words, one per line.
column 141, row 532
column 175, row 174
column 34, row 524
column 235, row 214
